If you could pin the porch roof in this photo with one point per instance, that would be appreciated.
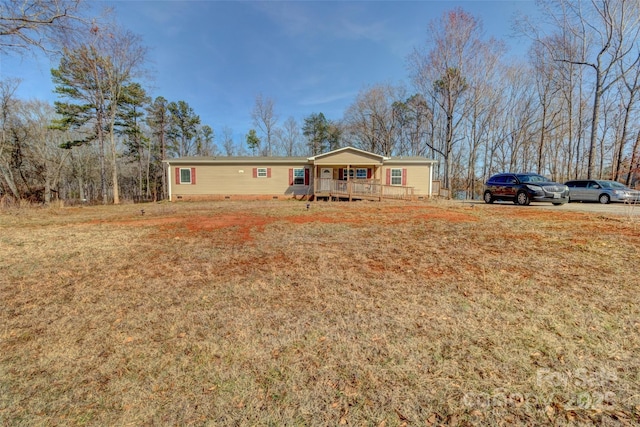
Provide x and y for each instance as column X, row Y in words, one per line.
column 348, row 156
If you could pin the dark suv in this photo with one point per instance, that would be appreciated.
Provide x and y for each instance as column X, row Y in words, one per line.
column 524, row 188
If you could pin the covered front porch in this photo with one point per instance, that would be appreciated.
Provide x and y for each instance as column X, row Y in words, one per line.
column 352, row 174
column 362, row 182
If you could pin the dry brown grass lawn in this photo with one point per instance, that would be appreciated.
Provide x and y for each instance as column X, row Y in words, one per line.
column 266, row 313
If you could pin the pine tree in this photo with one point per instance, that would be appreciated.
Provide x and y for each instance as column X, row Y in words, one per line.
column 130, row 115
column 316, row 130
column 184, row 128
column 253, row 142
column 159, row 121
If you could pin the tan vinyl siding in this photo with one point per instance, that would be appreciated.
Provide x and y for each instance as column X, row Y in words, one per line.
column 236, row 179
column 417, row 175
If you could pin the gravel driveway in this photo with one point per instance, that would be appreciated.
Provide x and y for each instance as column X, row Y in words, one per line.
column 613, row 209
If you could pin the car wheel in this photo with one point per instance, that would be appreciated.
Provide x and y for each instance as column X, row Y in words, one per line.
column 558, row 204
column 523, row 199
column 604, row 199
column 487, row 197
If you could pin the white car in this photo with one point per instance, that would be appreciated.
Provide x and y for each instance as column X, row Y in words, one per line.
column 603, row 191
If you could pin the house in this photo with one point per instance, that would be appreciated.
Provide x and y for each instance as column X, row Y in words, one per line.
column 345, row 173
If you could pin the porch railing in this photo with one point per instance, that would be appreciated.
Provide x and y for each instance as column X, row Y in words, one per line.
column 396, row 192
column 366, row 188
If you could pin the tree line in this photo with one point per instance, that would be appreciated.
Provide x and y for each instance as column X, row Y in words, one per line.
column 567, row 110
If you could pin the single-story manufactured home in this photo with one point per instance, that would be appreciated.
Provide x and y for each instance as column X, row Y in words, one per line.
column 346, row 173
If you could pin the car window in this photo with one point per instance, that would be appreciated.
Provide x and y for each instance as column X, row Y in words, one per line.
column 611, row 184
column 509, row 179
column 593, row 184
column 576, row 184
column 617, row 185
column 498, row 179
column 533, row 178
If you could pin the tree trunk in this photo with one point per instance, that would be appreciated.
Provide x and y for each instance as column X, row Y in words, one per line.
column 140, row 169
column 633, row 167
column 542, row 141
column 623, row 138
column 163, row 156
column 8, row 178
column 81, row 194
column 148, row 173
column 47, row 189
column 114, row 155
column 101, row 158
column 594, row 129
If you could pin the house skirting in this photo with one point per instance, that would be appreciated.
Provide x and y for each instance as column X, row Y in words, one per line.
column 219, row 197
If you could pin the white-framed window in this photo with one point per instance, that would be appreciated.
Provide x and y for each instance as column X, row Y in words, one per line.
column 185, row 176
column 396, row 176
column 298, row 176
column 359, row 173
column 262, row 172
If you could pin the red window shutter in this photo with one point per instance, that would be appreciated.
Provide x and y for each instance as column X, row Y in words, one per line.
column 255, row 172
column 369, row 173
column 306, row 176
column 268, row 172
column 404, row 177
column 388, row 176
column 177, row 175
column 341, row 174
column 193, row 176
column 290, row 176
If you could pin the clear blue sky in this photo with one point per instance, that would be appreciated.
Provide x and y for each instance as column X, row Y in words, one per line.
column 309, row 57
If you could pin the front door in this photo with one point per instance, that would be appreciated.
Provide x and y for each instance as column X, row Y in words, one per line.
column 326, row 176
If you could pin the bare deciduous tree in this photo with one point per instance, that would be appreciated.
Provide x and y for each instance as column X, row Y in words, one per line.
column 607, row 33
column 227, row 141
column 45, row 155
column 31, row 159
column 546, row 89
column 264, row 119
column 441, row 73
column 372, row 122
column 630, row 90
column 7, row 120
column 289, row 137
column 41, row 24
column 414, row 128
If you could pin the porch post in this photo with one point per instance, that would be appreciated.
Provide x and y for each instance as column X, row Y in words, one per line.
column 315, row 179
column 169, row 180
column 349, row 181
column 430, row 179
column 381, row 181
